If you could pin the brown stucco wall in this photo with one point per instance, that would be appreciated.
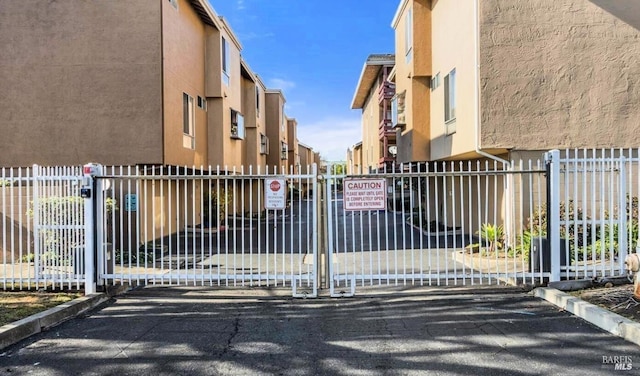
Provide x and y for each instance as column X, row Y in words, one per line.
column 556, row 74
column 80, row 81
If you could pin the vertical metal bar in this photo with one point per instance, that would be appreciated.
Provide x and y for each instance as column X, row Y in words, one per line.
column 622, row 229
column 553, row 162
column 330, row 231
column 3, row 200
column 445, row 216
column 261, row 188
column 206, row 196
column 314, row 216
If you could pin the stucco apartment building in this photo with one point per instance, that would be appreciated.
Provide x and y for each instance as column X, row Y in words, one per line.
column 505, row 80
column 149, row 82
column 154, row 84
column 511, row 79
column 373, row 96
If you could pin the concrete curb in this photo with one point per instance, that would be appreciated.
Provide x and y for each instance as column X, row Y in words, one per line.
column 600, row 317
column 21, row 329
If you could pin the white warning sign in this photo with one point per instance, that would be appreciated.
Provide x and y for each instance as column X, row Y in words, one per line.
column 275, row 194
column 364, row 194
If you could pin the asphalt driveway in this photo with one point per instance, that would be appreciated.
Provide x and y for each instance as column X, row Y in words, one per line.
column 418, row 331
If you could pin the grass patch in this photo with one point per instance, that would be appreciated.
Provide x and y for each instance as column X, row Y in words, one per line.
column 18, row 305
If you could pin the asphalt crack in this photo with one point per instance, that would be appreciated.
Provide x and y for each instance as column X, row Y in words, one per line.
column 234, row 333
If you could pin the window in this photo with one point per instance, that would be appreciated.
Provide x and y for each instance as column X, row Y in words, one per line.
column 435, row 81
column 202, row 103
column 264, row 144
column 225, row 61
column 284, row 149
column 408, row 35
column 237, row 125
column 450, row 96
column 257, row 101
column 398, row 110
column 450, row 102
column 188, row 121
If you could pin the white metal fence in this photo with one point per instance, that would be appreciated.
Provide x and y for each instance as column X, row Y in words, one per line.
column 42, row 228
column 574, row 214
column 595, row 215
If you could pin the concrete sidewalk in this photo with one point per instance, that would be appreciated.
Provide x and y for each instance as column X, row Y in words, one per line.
column 440, row 331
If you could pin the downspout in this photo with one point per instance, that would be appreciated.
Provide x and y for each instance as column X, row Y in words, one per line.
column 476, row 16
column 507, row 165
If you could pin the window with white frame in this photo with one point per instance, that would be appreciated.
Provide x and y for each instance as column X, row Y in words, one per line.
column 225, row 61
column 188, row 121
column 283, row 119
column 450, row 96
column 237, row 125
column 284, row 150
column 264, row 144
column 408, row 35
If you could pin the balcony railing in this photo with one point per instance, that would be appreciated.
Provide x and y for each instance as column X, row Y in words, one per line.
column 386, row 91
column 385, row 128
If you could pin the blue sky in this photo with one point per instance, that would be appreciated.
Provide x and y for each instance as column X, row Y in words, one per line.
column 314, row 51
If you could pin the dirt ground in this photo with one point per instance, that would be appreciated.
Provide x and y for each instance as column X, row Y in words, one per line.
column 618, row 299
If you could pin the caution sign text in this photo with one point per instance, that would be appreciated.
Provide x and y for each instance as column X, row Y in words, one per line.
column 364, row 194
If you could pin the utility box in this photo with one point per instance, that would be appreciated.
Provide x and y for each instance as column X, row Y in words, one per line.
column 540, row 247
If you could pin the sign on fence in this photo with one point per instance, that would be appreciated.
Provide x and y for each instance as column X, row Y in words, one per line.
column 275, row 194
column 364, row 194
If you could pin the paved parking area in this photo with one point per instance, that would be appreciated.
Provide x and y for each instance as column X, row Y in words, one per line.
column 417, row 331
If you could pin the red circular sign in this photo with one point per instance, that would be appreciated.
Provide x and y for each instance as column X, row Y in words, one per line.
column 275, row 185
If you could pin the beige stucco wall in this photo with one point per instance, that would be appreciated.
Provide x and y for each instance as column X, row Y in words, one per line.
column 275, row 101
column 558, row 73
column 254, row 122
column 453, row 48
column 370, row 123
column 412, row 78
column 184, row 66
column 292, row 142
column 224, row 150
column 70, row 97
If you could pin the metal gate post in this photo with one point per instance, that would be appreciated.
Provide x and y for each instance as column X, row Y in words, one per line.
column 89, row 193
column 100, row 228
column 623, row 231
column 328, row 221
column 552, row 158
column 36, row 223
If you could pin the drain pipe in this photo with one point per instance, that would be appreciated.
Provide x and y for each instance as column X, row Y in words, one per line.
column 507, row 165
column 476, row 15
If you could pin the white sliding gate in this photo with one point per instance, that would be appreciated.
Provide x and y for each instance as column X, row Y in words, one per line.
column 179, row 226
column 451, row 223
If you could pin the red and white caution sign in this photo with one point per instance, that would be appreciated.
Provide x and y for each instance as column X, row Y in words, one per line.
column 364, row 194
column 275, row 193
